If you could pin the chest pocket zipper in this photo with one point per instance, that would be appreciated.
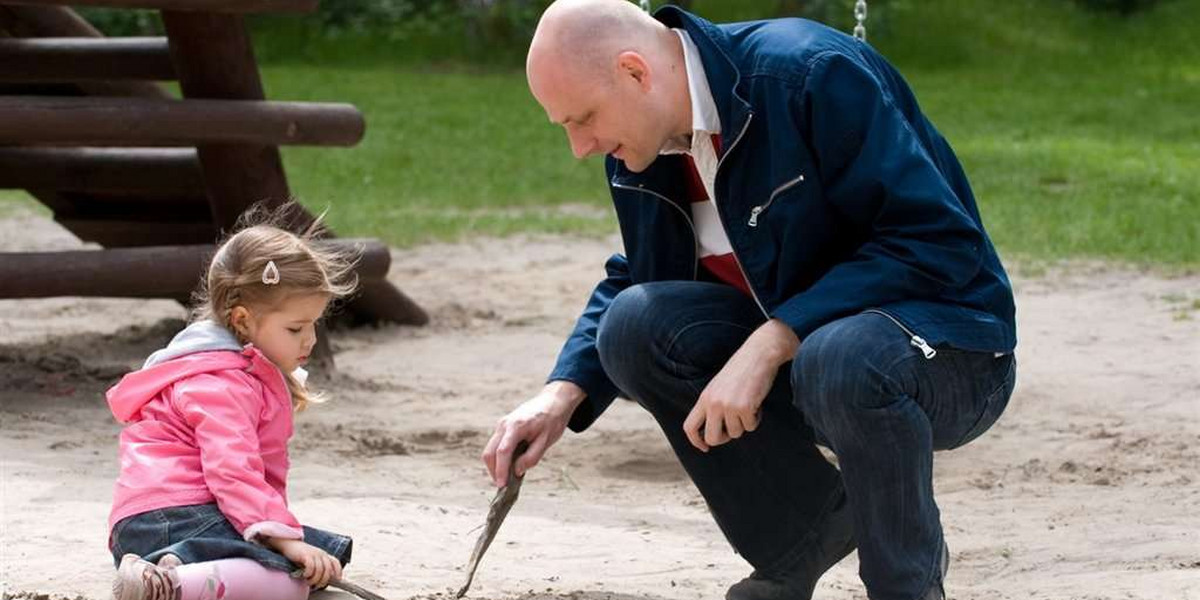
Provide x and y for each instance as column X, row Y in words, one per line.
column 914, row 339
column 758, row 210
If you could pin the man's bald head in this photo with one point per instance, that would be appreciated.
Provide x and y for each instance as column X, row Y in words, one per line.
column 612, row 76
column 586, row 36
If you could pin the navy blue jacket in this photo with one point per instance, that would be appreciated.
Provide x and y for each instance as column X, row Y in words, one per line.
column 837, row 194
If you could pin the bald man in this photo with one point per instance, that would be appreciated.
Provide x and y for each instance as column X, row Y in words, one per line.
column 804, row 264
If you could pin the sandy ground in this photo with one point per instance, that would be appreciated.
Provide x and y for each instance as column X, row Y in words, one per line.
column 1089, row 486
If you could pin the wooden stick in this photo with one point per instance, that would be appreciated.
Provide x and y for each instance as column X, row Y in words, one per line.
column 503, row 502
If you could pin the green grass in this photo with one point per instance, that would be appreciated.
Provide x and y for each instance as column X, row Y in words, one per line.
column 446, row 155
column 1079, row 130
column 14, row 202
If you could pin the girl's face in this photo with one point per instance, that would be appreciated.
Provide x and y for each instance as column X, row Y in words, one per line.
column 285, row 335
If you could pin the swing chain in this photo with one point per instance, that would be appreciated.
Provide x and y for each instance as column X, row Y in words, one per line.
column 860, row 15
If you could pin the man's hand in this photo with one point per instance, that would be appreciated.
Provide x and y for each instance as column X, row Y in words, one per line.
column 539, row 421
column 729, row 406
column 319, row 567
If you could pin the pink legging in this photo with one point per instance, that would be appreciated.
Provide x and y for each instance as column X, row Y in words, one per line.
column 237, row 579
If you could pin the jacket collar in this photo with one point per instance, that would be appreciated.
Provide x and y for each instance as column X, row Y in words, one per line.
column 724, row 80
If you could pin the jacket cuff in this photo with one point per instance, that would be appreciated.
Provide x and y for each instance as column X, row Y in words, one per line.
column 798, row 317
column 271, row 529
column 599, row 395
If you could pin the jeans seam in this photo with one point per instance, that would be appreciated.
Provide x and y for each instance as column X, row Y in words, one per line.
column 935, row 573
column 215, row 520
column 166, row 524
column 682, row 330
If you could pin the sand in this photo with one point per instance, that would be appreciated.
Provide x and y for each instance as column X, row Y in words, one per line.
column 1088, row 487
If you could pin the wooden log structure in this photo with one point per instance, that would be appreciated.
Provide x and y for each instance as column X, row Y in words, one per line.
column 152, row 178
column 150, row 171
column 218, row 6
column 84, row 59
column 91, row 121
column 150, row 272
column 59, row 21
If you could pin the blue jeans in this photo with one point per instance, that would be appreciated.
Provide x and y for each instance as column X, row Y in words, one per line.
column 856, row 385
column 201, row 532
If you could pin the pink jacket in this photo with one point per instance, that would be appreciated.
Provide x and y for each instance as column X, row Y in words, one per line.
column 206, row 426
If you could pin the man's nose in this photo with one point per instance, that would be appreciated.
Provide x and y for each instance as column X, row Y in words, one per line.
column 582, row 145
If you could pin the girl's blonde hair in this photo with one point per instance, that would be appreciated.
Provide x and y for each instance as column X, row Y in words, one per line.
column 305, row 266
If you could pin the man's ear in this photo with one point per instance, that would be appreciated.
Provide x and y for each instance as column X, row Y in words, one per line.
column 633, row 65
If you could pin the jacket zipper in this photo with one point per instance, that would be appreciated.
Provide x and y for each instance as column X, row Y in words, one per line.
column 736, row 260
column 686, row 217
column 757, row 210
column 914, row 339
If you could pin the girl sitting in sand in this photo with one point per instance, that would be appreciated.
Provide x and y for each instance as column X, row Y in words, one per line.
column 200, row 507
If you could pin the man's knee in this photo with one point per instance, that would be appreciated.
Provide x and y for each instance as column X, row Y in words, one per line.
column 848, row 366
column 624, row 337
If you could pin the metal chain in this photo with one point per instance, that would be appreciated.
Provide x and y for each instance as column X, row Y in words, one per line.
column 860, row 15
column 645, row 5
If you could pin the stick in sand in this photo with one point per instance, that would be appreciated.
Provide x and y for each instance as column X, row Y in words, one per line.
column 504, row 500
column 347, row 586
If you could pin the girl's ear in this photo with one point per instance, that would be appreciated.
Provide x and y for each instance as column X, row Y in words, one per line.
column 239, row 321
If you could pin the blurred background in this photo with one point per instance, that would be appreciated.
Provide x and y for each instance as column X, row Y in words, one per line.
column 1078, row 120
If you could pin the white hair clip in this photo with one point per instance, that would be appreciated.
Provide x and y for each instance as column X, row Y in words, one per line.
column 270, row 273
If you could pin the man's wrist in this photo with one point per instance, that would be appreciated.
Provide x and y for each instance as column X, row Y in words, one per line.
column 566, row 395
column 779, row 342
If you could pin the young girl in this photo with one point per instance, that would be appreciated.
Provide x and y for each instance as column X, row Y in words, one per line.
column 200, row 508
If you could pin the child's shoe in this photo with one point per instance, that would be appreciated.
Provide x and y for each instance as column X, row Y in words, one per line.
column 141, row 580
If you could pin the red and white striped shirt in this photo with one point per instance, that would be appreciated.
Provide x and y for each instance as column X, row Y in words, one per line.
column 713, row 247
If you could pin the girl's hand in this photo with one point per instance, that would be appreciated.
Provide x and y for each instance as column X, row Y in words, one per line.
column 319, row 567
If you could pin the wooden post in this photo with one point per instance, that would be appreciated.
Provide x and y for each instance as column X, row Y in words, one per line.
column 214, row 59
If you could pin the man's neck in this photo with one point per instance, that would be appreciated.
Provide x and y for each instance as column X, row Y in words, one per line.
column 680, row 94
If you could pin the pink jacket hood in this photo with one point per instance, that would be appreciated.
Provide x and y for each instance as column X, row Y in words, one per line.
column 198, row 349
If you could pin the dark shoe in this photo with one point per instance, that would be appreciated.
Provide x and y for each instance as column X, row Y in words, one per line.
column 834, row 540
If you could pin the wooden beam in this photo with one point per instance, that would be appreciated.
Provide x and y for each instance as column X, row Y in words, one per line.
column 43, row 120
column 60, row 21
column 215, row 60
column 184, row 207
column 220, row 6
column 84, row 59
column 135, row 231
column 107, row 170
column 151, row 272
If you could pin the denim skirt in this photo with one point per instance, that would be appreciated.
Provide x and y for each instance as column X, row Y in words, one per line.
column 200, row 532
